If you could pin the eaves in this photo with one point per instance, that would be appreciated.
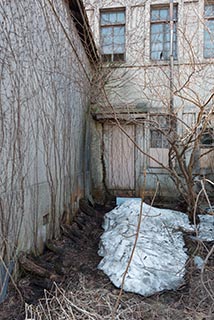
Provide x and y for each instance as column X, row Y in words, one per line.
column 80, row 19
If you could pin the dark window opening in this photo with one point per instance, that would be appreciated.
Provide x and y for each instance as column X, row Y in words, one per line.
column 207, row 138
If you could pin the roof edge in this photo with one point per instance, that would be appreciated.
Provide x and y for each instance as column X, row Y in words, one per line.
column 79, row 16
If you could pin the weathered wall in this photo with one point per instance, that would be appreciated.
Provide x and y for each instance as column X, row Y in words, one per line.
column 44, row 94
column 141, row 85
column 147, row 81
column 96, row 162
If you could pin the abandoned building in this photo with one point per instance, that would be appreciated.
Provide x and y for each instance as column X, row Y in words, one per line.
column 155, row 95
column 76, row 121
column 47, row 62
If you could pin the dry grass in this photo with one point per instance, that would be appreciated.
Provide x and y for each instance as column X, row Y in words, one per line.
column 86, row 293
column 98, row 304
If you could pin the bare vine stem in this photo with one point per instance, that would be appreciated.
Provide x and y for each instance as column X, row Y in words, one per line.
column 133, row 249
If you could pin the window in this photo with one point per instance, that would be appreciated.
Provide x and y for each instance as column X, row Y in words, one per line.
column 209, row 30
column 160, row 130
column 160, row 33
column 207, row 138
column 112, row 35
column 207, row 145
column 158, row 140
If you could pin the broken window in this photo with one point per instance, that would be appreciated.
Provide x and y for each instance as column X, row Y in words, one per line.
column 209, row 29
column 112, row 35
column 160, row 33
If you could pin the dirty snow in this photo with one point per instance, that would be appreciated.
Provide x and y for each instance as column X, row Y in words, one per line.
column 159, row 258
column 206, row 228
column 199, row 262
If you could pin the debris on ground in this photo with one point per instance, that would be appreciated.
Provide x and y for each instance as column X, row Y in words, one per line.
column 84, row 292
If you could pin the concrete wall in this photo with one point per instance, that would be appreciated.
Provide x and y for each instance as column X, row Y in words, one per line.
column 44, row 96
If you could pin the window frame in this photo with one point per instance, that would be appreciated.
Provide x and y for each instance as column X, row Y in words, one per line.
column 164, row 55
column 113, row 56
column 207, row 138
column 208, row 18
column 160, row 124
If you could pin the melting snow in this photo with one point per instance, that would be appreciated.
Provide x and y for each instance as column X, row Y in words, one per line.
column 159, row 258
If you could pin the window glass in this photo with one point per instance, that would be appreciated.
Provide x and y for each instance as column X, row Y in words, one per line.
column 162, row 128
column 158, row 140
column 155, row 15
column 160, row 131
column 175, row 13
column 209, row 30
column 120, row 17
column 112, row 35
column 209, row 10
column 209, row 39
column 104, row 18
column 113, row 17
column 164, row 14
column 119, row 37
column 160, row 34
column 107, row 40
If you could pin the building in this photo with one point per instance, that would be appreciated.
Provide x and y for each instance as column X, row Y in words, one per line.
column 47, row 61
column 153, row 111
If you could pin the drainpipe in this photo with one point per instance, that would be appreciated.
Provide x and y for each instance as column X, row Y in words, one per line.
column 171, row 58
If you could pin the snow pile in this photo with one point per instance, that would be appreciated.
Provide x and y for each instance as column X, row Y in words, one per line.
column 206, row 228
column 159, row 258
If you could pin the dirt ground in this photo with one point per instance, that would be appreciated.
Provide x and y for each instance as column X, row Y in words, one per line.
column 77, row 290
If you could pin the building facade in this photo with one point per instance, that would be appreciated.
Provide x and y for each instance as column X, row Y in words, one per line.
column 154, row 111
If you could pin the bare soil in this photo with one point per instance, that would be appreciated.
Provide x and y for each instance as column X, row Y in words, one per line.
column 81, row 291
